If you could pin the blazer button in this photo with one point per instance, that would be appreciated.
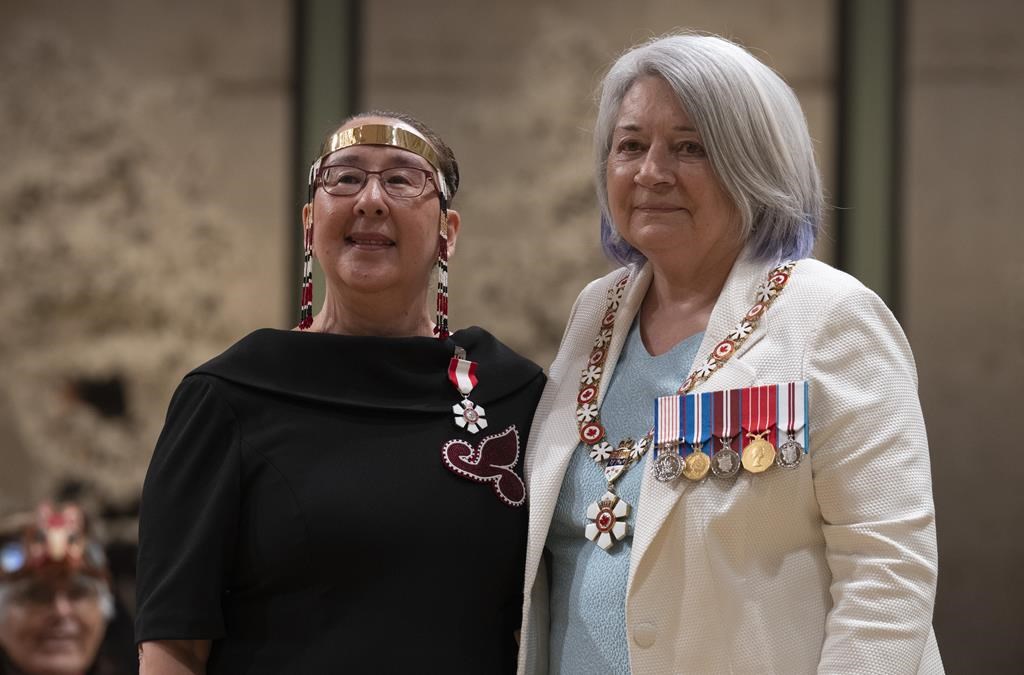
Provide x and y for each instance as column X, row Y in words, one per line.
column 644, row 634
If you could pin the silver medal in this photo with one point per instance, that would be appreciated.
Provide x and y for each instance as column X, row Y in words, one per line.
column 725, row 463
column 667, row 467
column 790, row 454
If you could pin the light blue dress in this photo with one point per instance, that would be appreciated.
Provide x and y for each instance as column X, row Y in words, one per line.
column 588, row 584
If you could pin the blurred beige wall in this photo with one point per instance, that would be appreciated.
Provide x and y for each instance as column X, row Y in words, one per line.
column 963, row 281
column 143, row 226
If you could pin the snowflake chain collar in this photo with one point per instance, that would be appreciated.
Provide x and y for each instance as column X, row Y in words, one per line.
column 607, row 516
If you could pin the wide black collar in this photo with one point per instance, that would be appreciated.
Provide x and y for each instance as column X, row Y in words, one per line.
column 409, row 373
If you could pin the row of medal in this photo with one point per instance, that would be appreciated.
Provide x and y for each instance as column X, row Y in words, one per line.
column 720, row 432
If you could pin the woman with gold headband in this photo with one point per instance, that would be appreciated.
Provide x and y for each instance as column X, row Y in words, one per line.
column 347, row 496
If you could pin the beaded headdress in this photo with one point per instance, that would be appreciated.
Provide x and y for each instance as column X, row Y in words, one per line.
column 54, row 542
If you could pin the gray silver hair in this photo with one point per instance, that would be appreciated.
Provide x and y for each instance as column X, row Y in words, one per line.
column 752, row 127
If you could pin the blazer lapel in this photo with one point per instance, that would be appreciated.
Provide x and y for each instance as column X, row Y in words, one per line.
column 734, row 301
column 640, row 281
column 550, row 454
column 657, row 499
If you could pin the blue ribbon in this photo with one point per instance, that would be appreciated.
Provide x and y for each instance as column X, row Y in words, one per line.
column 697, row 413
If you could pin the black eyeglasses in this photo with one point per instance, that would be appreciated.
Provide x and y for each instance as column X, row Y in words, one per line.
column 403, row 182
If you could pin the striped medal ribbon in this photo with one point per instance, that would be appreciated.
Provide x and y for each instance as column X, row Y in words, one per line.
column 759, row 406
column 462, row 375
column 697, row 414
column 725, row 463
column 668, row 447
column 792, row 422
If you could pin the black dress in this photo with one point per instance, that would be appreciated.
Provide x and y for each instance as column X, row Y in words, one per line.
column 298, row 513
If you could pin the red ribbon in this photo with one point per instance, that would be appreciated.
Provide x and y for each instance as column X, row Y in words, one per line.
column 462, row 375
column 726, row 405
column 759, row 410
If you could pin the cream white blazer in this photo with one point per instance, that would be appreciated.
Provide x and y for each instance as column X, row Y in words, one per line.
column 829, row 567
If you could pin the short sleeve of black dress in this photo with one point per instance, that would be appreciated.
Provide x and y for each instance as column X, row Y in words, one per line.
column 188, row 518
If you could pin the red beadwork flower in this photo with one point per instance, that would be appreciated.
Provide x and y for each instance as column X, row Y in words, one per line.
column 597, row 357
column 492, row 461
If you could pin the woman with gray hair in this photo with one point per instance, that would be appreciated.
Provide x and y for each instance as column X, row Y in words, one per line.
column 728, row 470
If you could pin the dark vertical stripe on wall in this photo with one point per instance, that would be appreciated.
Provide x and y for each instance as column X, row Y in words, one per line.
column 292, row 219
column 870, row 45
column 896, row 207
column 842, row 37
column 326, row 56
column 355, row 55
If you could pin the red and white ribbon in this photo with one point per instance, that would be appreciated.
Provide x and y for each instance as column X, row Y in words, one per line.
column 792, row 409
column 758, row 410
column 462, row 374
column 667, row 429
column 726, row 406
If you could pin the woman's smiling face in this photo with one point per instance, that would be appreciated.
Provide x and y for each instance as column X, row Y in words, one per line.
column 663, row 194
column 371, row 241
column 52, row 625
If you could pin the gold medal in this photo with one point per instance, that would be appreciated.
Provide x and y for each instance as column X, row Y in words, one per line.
column 697, row 464
column 759, row 453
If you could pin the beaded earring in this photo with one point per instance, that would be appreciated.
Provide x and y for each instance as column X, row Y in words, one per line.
column 306, row 289
column 441, row 328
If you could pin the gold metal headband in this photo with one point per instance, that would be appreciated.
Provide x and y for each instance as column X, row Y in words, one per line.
column 382, row 134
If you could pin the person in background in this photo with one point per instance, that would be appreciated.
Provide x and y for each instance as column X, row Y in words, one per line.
column 55, row 597
column 729, row 470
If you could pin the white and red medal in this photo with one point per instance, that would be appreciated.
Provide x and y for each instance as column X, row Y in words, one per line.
column 793, row 423
column 462, row 375
column 668, row 459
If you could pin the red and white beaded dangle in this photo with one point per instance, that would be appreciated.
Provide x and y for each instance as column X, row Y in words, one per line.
column 306, row 290
column 441, row 321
